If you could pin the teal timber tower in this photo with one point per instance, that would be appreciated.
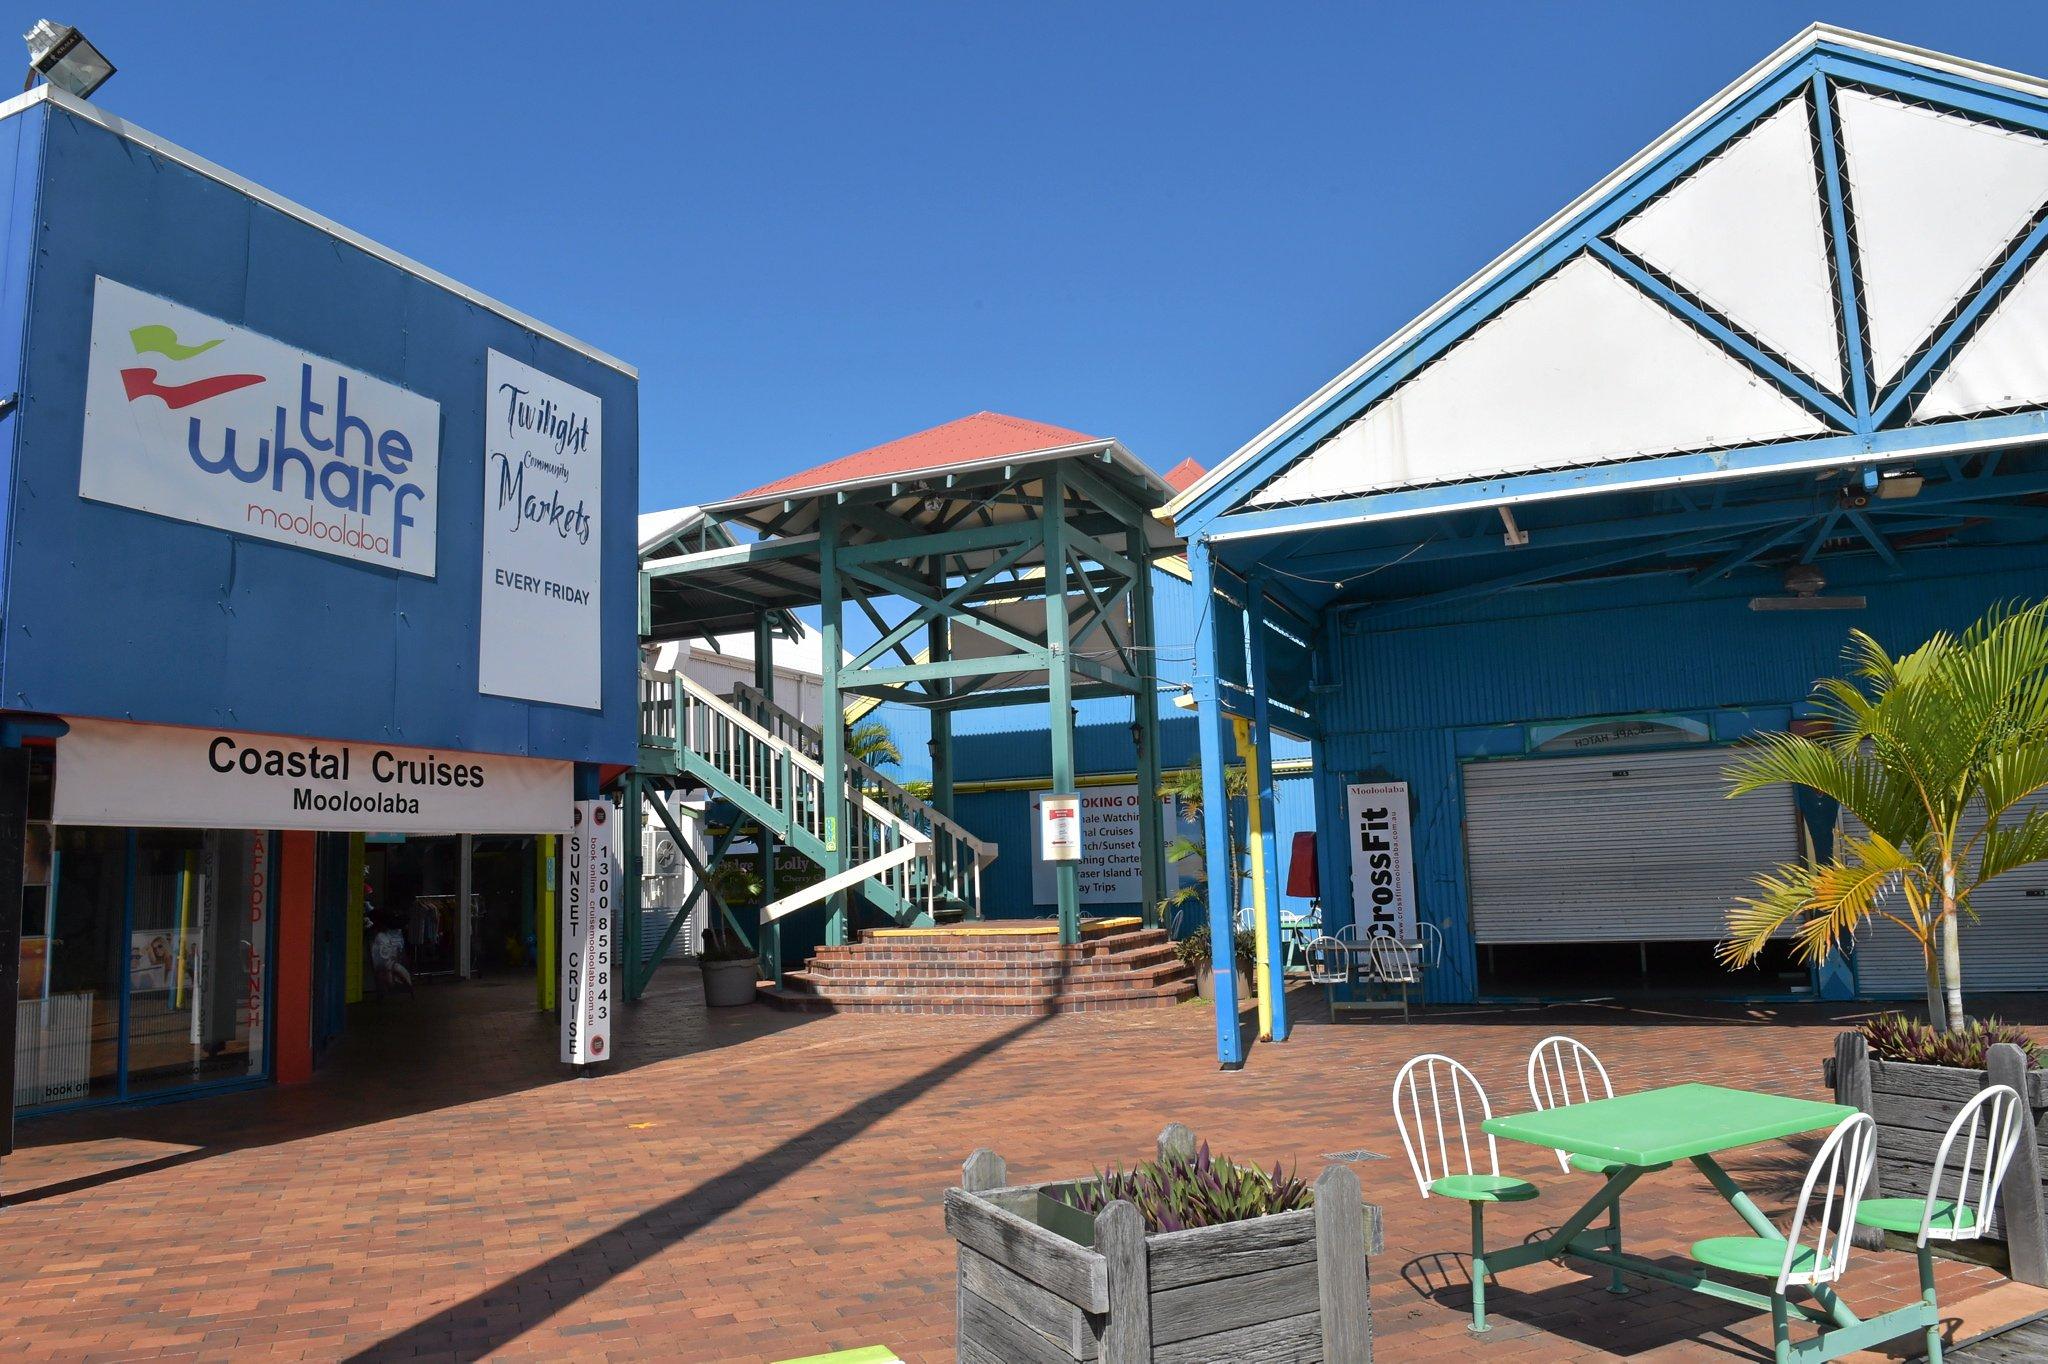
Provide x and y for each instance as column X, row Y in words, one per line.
column 998, row 562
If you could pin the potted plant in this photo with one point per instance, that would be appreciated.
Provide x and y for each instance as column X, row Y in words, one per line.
column 1186, row 1257
column 731, row 967
column 1912, row 1078
column 1194, row 952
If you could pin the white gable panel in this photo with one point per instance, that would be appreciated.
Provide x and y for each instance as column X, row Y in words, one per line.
column 1744, row 235
column 1936, row 198
column 1583, row 369
column 2005, row 363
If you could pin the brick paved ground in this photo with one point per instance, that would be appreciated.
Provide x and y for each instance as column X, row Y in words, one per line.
column 751, row 1185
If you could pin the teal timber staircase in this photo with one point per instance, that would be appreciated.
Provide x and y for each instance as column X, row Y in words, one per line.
column 902, row 855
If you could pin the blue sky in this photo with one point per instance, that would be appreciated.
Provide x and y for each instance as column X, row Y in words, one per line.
column 814, row 227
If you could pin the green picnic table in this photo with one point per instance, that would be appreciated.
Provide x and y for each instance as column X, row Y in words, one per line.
column 1632, row 1135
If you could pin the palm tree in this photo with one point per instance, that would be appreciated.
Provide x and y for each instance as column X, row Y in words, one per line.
column 1940, row 753
column 870, row 742
column 1184, row 787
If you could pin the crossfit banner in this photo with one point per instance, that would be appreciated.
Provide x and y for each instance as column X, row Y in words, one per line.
column 1382, row 858
column 586, row 989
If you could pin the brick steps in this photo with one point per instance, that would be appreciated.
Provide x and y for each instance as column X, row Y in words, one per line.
column 1023, row 975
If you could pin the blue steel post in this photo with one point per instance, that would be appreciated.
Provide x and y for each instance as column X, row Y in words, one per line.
column 1260, row 789
column 1210, row 722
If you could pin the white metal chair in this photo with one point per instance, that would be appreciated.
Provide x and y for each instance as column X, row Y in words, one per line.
column 1564, row 1070
column 1430, row 939
column 1329, row 962
column 1839, row 1173
column 1436, row 1101
column 1393, row 963
column 1990, row 1127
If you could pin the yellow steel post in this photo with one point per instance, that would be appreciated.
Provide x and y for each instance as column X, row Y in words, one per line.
column 1262, row 970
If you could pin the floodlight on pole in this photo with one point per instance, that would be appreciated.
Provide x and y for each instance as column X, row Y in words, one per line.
column 64, row 57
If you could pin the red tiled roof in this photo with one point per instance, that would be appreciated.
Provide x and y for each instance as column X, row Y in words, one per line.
column 985, row 435
column 1182, row 476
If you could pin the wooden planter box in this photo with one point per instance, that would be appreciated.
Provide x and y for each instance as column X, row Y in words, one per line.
column 1042, row 1282
column 1914, row 1105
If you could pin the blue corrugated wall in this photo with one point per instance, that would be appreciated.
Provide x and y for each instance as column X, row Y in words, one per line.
column 113, row 612
column 1009, row 743
column 21, row 153
column 1406, row 692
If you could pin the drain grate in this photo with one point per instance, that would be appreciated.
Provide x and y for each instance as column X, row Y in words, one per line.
column 1353, row 1155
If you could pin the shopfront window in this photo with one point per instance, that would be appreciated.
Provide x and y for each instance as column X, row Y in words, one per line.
column 145, row 959
column 197, row 957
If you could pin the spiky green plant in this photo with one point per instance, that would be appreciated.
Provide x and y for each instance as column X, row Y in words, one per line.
column 1192, row 1190
column 1917, row 747
column 1895, row 1037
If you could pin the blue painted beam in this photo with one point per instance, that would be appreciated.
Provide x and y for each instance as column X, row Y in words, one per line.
column 1777, row 457
column 1820, row 536
column 1871, row 533
column 1613, row 558
column 1789, row 381
column 1848, row 303
column 1929, row 366
column 1489, row 297
column 1211, row 723
column 1746, row 551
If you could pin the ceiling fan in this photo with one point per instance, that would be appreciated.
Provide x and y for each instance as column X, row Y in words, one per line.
column 1803, row 583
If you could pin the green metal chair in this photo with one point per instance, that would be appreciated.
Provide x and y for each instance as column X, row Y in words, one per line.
column 1840, row 1172
column 1433, row 1123
column 1990, row 1128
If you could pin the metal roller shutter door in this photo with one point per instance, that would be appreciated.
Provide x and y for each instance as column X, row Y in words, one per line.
column 1621, row 847
column 2006, row 949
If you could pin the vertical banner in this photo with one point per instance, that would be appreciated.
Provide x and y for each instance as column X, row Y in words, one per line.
column 538, row 638
column 590, row 853
column 1382, row 858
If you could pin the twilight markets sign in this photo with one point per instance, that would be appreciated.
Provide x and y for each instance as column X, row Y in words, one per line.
column 538, row 637
column 196, row 419
column 110, row 772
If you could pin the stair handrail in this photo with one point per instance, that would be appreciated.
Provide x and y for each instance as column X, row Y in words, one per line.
column 811, row 740
column 704, row 696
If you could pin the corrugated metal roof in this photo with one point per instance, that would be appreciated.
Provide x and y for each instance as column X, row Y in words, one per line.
column 983, row 436
column 1184, row 475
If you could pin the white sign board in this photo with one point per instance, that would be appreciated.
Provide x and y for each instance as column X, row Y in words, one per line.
column 165, row 776
column 196, row 419
column 1111, row 870
column 1382, row 858
column 1059, row 828
column 543, row 484
column 586, row 985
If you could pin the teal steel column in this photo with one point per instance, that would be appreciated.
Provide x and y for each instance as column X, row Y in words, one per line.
column 1261, row 790
column 832, row 713
column 939, row 649
column 1211, row 724
column 768, row 936
column 628, row 894
column 1060, row 682
column 1151, row 823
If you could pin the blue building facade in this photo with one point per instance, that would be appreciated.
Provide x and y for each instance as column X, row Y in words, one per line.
column 1550, row 551
column 271, row 586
